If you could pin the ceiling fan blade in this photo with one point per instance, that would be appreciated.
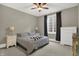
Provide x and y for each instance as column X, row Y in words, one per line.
column 44, row 4
column 45, row 8
column 35, row 3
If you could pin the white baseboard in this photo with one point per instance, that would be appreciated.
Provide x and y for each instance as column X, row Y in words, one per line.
column 2, row 45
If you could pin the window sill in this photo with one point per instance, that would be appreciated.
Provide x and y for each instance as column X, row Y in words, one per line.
column 51, row 32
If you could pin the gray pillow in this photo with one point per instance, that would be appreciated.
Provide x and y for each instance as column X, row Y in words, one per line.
column 24, row 34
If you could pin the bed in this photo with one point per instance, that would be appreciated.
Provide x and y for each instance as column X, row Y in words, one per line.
column 31, row 41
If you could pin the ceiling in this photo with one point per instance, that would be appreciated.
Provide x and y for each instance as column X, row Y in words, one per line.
column 53, row 7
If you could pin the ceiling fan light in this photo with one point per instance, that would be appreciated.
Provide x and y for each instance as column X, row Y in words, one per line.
column 39, row 8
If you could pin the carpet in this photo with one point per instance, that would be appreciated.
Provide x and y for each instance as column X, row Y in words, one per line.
column 53, row 49
column 12, row 51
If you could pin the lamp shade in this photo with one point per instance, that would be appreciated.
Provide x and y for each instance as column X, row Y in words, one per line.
column 12, row 28
column 36, row 28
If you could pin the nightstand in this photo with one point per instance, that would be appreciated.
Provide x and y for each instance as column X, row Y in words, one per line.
column 10, row 40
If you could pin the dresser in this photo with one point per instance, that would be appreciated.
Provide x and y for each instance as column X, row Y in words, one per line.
column 10, row 40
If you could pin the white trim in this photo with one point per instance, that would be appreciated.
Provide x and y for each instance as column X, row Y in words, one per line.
column 51, row 32
column 2, row 45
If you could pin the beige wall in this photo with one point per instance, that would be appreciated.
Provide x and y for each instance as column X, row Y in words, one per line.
column 78, row 19
column 78, row 16
column 40, row 22
column 23, row 22
column 69, row 18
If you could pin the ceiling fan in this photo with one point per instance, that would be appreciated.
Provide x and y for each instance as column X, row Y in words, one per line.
column 40, row 6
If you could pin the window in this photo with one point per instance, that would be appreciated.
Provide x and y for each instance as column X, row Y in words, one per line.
column 51, row 23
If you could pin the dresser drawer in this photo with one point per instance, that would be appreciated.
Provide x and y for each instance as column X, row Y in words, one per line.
column 11, row 40
column 11, row 37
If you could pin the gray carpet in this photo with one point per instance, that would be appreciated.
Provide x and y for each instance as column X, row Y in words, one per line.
column 52, row 49
column 13, row 51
